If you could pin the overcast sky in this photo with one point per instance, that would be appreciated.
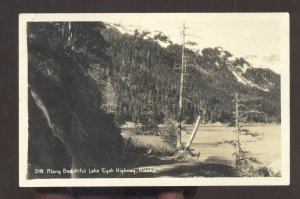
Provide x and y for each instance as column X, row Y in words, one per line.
column 261, row 38
column 254, row 37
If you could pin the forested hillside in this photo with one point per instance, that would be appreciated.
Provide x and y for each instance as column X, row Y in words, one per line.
column 145, row 76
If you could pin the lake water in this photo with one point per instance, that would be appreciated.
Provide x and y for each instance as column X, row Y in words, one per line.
column 213, row 143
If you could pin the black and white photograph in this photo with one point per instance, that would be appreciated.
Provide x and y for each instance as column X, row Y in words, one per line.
column 147, row 99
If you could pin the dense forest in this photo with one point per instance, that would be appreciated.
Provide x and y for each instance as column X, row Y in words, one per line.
column 144, row 75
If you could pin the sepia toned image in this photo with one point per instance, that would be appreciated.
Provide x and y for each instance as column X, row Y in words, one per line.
column 154, row 99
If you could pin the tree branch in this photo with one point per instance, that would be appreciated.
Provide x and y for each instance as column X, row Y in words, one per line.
column 191, row 102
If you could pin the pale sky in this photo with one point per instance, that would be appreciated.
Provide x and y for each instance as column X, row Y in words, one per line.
column 255, row 37
column 261, row 38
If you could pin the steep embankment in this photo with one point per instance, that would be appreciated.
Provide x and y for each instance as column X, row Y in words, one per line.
column 67, row 127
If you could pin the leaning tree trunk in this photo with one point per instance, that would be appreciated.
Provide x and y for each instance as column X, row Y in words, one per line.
column 188, row 144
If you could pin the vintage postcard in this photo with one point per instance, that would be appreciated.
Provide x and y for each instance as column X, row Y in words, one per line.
column 154, row 99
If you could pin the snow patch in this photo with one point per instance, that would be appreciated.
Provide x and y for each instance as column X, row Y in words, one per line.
column 232, row 58
column 244, row 67
column 163, row 44
column 241, row 80
column 122, row 29
column 248, row 82
column 149, row 34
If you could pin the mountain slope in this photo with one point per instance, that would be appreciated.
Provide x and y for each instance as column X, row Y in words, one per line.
column 143, row 70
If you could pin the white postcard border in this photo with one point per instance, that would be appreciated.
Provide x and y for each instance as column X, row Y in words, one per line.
column 162, row 181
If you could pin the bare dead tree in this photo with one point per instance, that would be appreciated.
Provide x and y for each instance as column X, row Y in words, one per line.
column 180, row 118
column 181, row 98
